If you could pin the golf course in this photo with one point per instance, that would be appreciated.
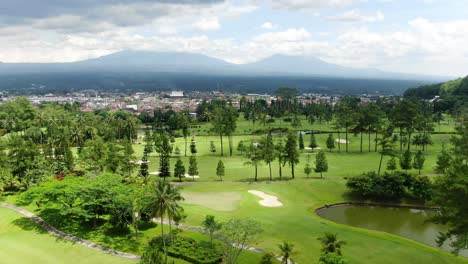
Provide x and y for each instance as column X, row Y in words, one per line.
column 185, row 193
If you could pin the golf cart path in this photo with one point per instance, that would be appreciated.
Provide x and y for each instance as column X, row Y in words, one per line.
column 52, row 230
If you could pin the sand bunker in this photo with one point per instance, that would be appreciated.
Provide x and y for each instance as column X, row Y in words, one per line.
column 342, row 141
column 268, row 200
column 191, row 176
column 309, row 148
column 138, row 162
column 219, row 201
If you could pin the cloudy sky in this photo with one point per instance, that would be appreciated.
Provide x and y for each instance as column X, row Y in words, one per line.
column 414, row 36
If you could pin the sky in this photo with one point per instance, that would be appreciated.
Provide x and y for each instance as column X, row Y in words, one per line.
column 410, row 36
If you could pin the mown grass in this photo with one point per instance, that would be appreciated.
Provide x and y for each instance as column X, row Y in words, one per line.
column 296, row 222
column 22, row 241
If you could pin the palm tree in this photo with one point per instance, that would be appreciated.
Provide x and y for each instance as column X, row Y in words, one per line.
column 287, row 249
column 165, row 202
column 330, row 243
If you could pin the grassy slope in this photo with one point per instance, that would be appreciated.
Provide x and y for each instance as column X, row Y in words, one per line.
column 22, row 241
column 296, row 222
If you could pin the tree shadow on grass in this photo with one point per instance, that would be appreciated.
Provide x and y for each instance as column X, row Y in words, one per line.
column 28, row 225
column 146, row 225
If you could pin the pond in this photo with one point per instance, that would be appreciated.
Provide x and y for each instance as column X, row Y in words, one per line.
column 405, row 222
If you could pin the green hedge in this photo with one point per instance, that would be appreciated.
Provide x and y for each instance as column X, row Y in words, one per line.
column 188, row 249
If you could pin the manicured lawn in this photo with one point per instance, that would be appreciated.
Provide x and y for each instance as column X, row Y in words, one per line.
column 296, row 222
column 22, row 241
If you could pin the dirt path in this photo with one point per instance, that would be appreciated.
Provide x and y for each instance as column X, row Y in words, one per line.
column 52, row 230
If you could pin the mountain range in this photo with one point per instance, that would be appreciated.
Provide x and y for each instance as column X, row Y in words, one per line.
column 179, row 62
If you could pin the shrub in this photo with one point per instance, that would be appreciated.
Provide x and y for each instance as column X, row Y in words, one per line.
column 189, row 250
column 390, row 186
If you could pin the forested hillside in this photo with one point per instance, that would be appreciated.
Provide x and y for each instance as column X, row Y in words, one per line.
column 453, row 95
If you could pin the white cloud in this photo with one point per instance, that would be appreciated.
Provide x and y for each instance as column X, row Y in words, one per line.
column 268, row 26
column 313, row 4
column 423, row 46
column 355, row 15
column 207, row 24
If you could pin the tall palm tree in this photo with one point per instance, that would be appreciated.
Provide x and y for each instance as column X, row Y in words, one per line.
column 165, row 202
column 287, row 249
column 331, row 243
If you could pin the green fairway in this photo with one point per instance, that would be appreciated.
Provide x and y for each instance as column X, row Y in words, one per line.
column 22, row 241
column 295, row 222
column 219, row 201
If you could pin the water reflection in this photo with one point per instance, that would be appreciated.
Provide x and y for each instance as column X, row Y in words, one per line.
column 406, row 222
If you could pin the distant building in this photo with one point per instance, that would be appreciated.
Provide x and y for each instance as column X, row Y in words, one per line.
column 176, row 94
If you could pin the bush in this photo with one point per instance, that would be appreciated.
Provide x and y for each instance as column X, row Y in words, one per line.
column 332, row 258
column 390, row 186
column 189, row 250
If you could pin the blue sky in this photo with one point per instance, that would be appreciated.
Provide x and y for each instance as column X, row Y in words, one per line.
column 413, row 36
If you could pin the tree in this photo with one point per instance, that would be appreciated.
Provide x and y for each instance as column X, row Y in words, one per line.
column 193, row 167
column 193, row 147
column 443, row 162
column 321, row 163
column 212, row 147
column 291, row 153
column 165, row 150
column 287, row 249
column 95, row 155
column 184, row 125
column 418, row 161
column 405, row 160
column 267, row 258
column 237, row 234
column 179, row 169
column 330, row 142
column 268, row 151
column 211, row 226
column 127, row 166
column 279, row 153
column 220, row 170
column 301, row 141
column 254, row 156
column 331, row 243
column 164, row 202
column 144, row 167
column 347, row 115
column 313, row 142
column 307, row 169
column 387, row 144
column 450, row 193
column 391, row 164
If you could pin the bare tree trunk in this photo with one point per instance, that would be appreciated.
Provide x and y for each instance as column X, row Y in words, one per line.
column 164, row 240
column 292, row 170
column 380, row 164
column 346, row 139
column 269, row 165
column 256, row 172
column 221, row 138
